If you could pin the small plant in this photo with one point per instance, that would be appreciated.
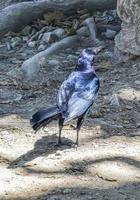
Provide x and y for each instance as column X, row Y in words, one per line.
column 53, row 18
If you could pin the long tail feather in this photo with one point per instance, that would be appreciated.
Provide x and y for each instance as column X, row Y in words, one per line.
column 44, row 116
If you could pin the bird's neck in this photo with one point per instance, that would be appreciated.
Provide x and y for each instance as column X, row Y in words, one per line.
column 85, row 67
column 90, row 68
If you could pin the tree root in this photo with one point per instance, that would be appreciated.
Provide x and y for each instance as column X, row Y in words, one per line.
column 89, row 22
column 31, row 66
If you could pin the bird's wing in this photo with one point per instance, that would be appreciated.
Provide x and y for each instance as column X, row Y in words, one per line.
column 90, row 91
column 81, row 100
column 65, row 92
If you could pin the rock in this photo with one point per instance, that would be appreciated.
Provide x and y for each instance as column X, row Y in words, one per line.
column 40, row 36
column 49, row 37
column 128, row 107
column 8, row 46
column 26, row 31
column 95, row 113
column 15, row 41
column 18, row 98
column 108, row 55
column 114, row 100
column 138, row 125
column 109, row 34
column 15, row 61
column 137, row 82
column 67, row 191
column 128, row 40
column 83, row 31
column 59, row 32
column 53, row 63
column 33, row 31
column 41, row 47
column 25, row 38
column 32, row 44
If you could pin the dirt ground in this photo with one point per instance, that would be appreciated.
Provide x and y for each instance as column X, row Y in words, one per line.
column 106, row 165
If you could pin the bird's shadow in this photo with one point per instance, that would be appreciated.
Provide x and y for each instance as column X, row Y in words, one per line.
column 42, row 147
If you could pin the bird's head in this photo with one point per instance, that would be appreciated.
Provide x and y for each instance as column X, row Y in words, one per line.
column 88, row 55
column 86, row 59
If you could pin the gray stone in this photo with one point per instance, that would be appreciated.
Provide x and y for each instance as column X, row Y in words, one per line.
column 18, row 98
column 41, row 47
column 114, row 100
column 53, row 62
column 128, row 40
column 67, row 191
column 25, row 38
column 137, row 82
column 109, row 34
column 59, row 32
column 40, row 36
column 32, row 44
column 49, row 37
column 8, row 46
column 15, row 41
column 83, row 31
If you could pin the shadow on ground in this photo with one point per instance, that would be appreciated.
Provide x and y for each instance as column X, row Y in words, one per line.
column 43, row 147
column 122, row 192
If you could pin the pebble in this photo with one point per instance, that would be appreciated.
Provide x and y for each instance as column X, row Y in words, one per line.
column 53, row 63
column 109, row 34
column 59, row 32
column 15, row 41
column 67, row 191
column 49, row 37
column 138, row 125
column 25, row 38
column 32, row 44
column 128, row 107
column 8, row 46
column 114, row 100
column 42, row 47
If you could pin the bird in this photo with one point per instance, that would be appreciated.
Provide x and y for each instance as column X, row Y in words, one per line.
column 75, row 97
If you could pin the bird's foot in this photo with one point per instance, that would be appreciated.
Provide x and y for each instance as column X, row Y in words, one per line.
column 59, row 143
column 75, row 145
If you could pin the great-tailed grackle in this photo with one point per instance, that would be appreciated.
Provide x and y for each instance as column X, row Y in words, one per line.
column 75, row 96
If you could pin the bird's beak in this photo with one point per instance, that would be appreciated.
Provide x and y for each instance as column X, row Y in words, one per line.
column 97, row 50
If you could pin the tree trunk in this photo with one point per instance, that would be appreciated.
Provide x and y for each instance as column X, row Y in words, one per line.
column 128, row 40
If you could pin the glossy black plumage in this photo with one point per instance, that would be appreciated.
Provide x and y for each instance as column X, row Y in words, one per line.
column 75, row 96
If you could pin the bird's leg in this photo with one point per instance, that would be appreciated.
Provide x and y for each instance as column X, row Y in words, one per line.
column 79, row 123
column 61, row 120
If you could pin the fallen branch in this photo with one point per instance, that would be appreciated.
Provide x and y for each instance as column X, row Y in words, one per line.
column 89, row 22
column 31, row 66
column 16, row 16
